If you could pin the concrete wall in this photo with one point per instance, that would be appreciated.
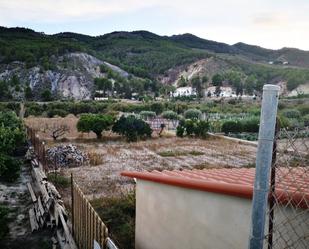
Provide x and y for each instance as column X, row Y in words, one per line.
column 170, row 217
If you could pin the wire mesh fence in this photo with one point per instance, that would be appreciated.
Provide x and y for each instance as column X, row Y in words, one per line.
column 288, row 213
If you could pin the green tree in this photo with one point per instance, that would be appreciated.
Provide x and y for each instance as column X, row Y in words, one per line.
column 103, row 84
column 132, row 128
column 4, row 91
column 28, row 93
column 12, row 136
column 217, row 80
column 199, row 85
column 94, row 122
column 250, row 84
column 182, row 82
column 193, row 114
column 46, row 95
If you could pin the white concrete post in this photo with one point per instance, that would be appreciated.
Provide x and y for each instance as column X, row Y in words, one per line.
column 263, row 165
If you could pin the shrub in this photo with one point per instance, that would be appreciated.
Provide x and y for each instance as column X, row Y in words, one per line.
column 119, row 215
column 12, row 136
column 193, row 114
column 231, row 127
column 201, row 129
column 304, row 109
column 59, row 180
column 170, row 115
column 132, row 128
column 57, row 112
column 9, row 168
column 147, row 114
column 180, row 130
column 291, row 113
column 306, row 120
column 95, row 122
column 190, row 127
column 283, row 121
column 251, row 124
column 157, row 107
column 4, row 229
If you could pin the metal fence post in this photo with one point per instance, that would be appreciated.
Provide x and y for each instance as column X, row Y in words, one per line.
column 263, row 163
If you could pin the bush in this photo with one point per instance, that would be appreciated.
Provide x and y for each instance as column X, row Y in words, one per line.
column 4, row 229
column 306, row 120
column 304, row 109
column 201, row 129
column 251, row 125
column 180, row 130
column 170, row 115
column 56, row 112
column 95, row 122
column 59, row 180
column 12, row 137
column 193, row 114
column 132, row 128
column 147, row 114
column 231, row 127
column 9, row 168
column 157, row 107
column 291, row 113
column 118, row 214
column 190, row 127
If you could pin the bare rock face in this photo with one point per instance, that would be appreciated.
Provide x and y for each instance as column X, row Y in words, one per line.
column 72, row 75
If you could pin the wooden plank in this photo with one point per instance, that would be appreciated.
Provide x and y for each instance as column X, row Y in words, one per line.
column 41, row 209
column 33, row 197
column 33, row 222
column 103, row 244
column 67, row 233
column 94, row 225
column 88, row 227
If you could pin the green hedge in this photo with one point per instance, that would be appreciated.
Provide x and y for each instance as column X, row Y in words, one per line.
column 192, row 127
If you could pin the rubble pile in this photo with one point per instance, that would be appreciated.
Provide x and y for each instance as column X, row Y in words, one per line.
column 66, row 156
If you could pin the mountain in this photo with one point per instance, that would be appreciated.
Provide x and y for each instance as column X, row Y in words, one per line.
column 145, row 58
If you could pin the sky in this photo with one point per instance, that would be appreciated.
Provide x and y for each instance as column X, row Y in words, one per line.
column 267, row 23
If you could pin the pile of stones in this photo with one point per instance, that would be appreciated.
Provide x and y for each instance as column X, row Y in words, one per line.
column 66, row 156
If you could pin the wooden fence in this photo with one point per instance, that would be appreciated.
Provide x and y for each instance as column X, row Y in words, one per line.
column 87, row 226
column 86, row 223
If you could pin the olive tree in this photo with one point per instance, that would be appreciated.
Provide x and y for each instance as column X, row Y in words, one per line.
column 95, row 122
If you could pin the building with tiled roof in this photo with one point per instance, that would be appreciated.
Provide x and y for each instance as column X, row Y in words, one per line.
column 208, row 208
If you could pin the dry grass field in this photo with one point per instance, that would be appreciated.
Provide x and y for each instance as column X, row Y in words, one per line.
column 109, row 158
column 112, row 155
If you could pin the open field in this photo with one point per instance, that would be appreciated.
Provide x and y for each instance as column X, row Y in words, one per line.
column 109, row 158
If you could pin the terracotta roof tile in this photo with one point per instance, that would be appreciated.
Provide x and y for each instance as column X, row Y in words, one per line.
column 292, row 185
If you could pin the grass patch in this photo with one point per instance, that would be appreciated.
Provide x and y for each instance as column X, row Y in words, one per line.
column 59, row 180
column 95, row 158
column 176, row 153
column 118, row 213
column 196, row 153
column 4, row 229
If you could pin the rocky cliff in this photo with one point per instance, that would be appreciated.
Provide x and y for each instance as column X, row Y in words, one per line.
column 71, row 75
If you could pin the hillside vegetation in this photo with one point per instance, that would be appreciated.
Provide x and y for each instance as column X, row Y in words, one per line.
column 36, row 58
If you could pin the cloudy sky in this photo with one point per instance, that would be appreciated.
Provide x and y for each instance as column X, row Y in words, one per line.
column 268, row 23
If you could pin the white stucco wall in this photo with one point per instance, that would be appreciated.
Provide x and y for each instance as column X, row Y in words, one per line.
column 170, row 217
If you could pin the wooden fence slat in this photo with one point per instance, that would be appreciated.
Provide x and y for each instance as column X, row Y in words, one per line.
column 87, row 225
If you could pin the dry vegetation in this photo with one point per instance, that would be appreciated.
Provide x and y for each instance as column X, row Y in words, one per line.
column 109, row 158
column 112, row 155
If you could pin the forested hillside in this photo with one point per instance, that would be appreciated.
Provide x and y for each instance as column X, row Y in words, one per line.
column 33, row 58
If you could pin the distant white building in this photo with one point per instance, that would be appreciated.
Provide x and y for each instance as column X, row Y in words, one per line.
column 184, row 91
column 226, row 92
